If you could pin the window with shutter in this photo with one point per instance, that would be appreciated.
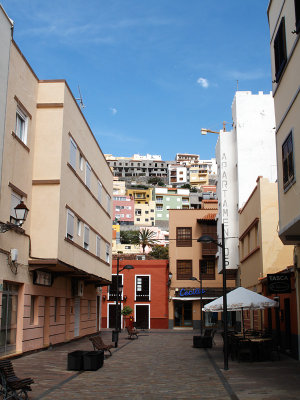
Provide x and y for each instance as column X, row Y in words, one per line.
column 207, row 268
column 184, row 269
column 288, row 162
column 86, row 240
column 107, row 253
column 73, row 150
column 70, row 225
column 142, row 288
column 280, row 50
column 21, row 125
column 184, row 237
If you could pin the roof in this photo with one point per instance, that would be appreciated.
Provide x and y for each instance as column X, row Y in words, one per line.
column 208, row 217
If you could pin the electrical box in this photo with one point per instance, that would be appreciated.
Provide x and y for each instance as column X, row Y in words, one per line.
column 14, row 254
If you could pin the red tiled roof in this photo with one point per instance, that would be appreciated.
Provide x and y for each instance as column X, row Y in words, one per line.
column 208, row 217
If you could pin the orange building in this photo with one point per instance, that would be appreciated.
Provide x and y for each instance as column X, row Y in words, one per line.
column 144, row 289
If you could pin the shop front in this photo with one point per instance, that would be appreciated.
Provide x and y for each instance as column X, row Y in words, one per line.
column 187, row 312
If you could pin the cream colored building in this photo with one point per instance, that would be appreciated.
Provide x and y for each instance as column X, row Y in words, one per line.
column 261, row 250
column 52, row 162
column 144, row 214
column 284, row 23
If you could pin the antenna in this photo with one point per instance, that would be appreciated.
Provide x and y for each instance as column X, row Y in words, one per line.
column 79, row 99
column 237, row 85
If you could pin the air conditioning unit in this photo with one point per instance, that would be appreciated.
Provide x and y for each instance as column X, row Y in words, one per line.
column 80, row 288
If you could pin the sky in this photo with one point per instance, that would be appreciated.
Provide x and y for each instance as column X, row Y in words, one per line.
column 151, row 73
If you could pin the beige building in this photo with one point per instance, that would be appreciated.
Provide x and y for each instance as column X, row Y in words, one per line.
column 261, row 250
column 263, row 256
column 189, row 258
column 144, row 214
column 50, row 268
column 284, row 23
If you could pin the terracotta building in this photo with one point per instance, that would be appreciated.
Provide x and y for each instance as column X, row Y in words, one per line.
column 145, row 290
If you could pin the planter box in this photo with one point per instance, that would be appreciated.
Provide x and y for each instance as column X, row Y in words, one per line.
column 75, row 360
column 202, row 342
column 93, row 360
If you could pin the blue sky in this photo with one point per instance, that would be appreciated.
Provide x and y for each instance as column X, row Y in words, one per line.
column 152, row 73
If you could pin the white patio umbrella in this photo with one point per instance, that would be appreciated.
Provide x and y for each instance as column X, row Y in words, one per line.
column 241, row 299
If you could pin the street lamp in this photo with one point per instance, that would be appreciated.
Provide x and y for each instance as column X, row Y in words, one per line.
column 201, row 314
column 209, row 239
column 115, row 333
column 16, row 222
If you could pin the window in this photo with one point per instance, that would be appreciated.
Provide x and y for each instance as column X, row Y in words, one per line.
column 98, row 245
column 79, row 223
column 112, row 291
column 70, row 225
column 86, row 238
column 184, row 269
column 127, row 247
column 138, row 219
column 15, row 200
column 99, row 191
column 280, row 50
column 184, row 237
column 81, row 162
column 288, row 161
column 107, row 253
column 297, row 14
column 21, row 125
column 138, row 211
column 128, row 215
column 73, row 150
column 159, row 207
column 88, row 175
column 108, row 203
column 207, row 268
column 142, row 289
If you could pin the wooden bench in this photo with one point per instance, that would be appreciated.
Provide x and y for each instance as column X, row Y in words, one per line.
column 132, row 332
column 100, row 345
column 13, row 387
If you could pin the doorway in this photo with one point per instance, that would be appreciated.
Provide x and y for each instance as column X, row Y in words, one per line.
column 183, row 315
column 142, row 316
column 112, row 316
column 9, row 318
column 76, row 316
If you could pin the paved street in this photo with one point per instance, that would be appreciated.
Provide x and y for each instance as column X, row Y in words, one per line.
column 159, row 365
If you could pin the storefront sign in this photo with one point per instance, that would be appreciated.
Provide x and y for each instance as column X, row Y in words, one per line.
column 42, row 278
column 279, row 283
column 190, row 292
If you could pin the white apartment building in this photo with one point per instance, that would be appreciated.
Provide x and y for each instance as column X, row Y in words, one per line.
column 177, row 174
column 243, row 154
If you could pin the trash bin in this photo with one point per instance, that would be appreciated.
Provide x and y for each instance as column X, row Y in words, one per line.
column 75, row 360
column 93, row 360
column 202, row 342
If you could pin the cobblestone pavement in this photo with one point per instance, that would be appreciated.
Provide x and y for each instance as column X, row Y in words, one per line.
column 159, row 365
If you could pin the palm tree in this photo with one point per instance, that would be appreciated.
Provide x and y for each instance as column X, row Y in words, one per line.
column 146, row 238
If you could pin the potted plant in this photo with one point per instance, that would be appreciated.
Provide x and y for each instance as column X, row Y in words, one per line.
column 127, row 310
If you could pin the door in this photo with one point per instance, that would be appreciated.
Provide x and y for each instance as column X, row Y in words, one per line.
column 142, row 316
column 98, row 318
column 47, row 321
column 9, row 317
column 287, row 323
column 76, row 316
column 112, row 316
column 183, row 315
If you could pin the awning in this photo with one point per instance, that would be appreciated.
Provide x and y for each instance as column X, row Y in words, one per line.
column 59, row 268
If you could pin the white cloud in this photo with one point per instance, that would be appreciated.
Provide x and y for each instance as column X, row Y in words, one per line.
column 113, row 110
column 203, row 82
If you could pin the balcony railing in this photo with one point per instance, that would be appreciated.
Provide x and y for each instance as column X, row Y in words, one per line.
column 142, row 296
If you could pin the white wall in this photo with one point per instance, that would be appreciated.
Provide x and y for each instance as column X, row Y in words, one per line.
column 254, row 131
column 227, row 198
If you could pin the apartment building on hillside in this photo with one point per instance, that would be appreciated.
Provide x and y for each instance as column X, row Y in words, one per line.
column 170, row 198
column 51, row 267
